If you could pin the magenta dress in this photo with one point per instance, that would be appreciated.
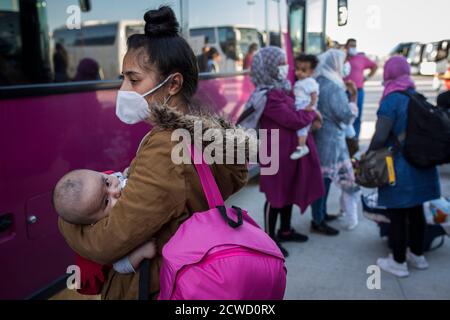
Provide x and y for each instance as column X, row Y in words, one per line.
column 297, row 181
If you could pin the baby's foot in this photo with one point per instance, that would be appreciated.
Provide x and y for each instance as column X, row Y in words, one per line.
column 300, row 152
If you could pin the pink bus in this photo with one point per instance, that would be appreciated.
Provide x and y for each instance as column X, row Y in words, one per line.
column 50, row 124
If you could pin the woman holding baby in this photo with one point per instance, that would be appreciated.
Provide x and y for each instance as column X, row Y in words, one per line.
column 160, row 76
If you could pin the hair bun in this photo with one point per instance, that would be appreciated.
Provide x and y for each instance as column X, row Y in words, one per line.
column 161, row 23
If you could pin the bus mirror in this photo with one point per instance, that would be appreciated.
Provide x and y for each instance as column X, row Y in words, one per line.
column 342, row 12
column 85, row 5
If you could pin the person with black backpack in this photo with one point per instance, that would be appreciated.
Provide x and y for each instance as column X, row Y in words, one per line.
column 413, row 185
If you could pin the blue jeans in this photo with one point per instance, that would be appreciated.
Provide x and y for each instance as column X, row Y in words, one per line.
column 319, row 207
column 360, row 103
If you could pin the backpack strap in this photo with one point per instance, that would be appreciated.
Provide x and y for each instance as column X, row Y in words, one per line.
column 144, row 280
column 398, row 140
column 211, row 190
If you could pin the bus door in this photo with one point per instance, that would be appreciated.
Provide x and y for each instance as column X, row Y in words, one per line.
column 307, row 26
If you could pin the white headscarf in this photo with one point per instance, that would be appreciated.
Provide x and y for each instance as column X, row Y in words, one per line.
column 331, row 66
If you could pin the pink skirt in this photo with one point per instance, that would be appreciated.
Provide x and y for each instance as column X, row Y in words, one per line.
column 232, row 274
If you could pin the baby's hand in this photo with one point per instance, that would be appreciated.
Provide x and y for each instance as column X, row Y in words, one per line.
column 309, row 108
column 146, row 251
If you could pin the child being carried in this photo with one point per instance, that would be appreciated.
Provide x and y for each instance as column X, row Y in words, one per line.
column 306, row 91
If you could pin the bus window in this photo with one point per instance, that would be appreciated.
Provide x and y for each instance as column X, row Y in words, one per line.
column 296, row 27
column 415, row 54
column 21, row 37
column 443, row 50
column 246, row 37
column 276, row 39
column 228, row 42
column 208, row 33
column 11, row 67
column 232, row 44
column 97, row 35
column 430, row 52
column 94, row 50
column 315, row 27
column 133, row 29
column 402, row 49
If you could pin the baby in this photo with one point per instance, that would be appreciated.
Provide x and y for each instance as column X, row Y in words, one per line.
column 84, row 197
column 306, row 92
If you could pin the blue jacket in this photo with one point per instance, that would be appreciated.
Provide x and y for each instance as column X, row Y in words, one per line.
column 414, row 186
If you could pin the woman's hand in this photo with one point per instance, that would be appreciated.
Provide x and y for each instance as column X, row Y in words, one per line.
column 351, row 88
column 317, row 123
column 319, row 117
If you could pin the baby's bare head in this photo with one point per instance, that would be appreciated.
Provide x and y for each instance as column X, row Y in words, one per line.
column 84, row 196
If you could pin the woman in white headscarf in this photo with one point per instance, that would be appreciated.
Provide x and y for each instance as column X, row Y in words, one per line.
column 337, row 112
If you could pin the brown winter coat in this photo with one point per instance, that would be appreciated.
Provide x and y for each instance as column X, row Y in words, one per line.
column 159, row 196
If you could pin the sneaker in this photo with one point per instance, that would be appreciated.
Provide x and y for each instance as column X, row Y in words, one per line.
column 300, row 152
column 282, row 249
column 293, row 236
column 390, row 265
column 349, row 226
column 418, row 262
column 324, row 229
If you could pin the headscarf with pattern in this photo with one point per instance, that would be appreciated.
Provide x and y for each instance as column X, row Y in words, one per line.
column 264, row 72
column 265, row 77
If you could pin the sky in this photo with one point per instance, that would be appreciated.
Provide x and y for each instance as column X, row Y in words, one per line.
column 377, row 24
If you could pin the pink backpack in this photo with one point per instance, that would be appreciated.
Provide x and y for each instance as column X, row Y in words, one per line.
column 221, row 254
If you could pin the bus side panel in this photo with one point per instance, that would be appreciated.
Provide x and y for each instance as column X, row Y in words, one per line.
column 225, row 95
column 41, row 139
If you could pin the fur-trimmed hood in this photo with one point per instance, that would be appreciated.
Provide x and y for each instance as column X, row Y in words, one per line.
column 167, row 118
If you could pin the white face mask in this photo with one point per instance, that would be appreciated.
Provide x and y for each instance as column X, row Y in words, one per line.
column 283, row 72
column 131, row 107
column 352, row 51
column 347, row 69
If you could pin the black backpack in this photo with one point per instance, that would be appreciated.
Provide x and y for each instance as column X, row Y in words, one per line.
column 427, row 141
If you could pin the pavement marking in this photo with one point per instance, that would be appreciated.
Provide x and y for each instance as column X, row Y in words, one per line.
column 367, row 130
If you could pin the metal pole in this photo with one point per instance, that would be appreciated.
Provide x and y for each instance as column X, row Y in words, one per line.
column 266, row 20
column 324, row 35
column 184, row 17
column 305, row 25
column 280, row 25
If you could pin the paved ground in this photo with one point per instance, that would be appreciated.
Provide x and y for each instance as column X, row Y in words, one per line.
column 335, row 268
